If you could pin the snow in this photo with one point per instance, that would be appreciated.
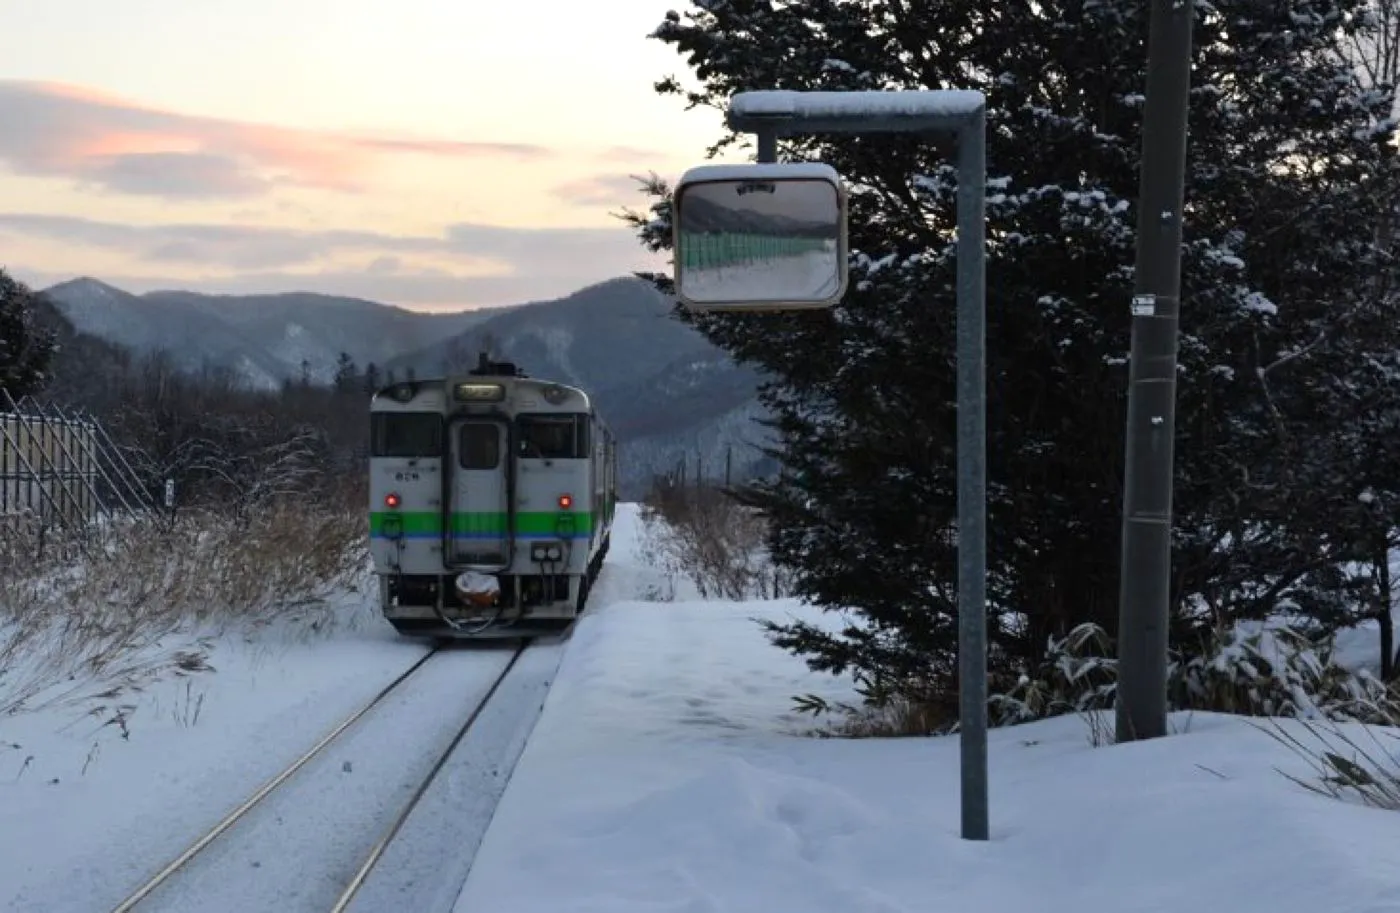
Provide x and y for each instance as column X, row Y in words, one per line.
column 93, row 811
column 811, row 276
column 945, row 103
column 762, row 171
column 334, row 810
column 668, row 773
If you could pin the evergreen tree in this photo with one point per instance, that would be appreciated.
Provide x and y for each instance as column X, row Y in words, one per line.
column 1287, row 154
column 26, row 349
column 372, row 379
column 346, row 374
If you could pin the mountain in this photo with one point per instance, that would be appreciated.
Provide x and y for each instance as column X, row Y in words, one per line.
column 670, row 395
column 265, row 338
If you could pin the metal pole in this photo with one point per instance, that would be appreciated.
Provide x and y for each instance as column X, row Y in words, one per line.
column 767, row 146
column 1144, row 589
column 972, row 476
column 970, row 128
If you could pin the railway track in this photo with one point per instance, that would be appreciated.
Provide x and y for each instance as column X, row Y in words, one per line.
column 233, row 855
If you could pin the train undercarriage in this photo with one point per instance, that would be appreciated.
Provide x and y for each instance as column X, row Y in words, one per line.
column 429, row 605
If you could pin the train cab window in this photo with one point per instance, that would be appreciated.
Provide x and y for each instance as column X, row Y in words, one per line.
column 552, row 437
column 405, row 434
column 479, row 445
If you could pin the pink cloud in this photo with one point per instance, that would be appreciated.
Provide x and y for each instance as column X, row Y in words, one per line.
column 122, row 146
column 602, row 190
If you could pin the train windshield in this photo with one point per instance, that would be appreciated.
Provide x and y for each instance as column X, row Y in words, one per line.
column 406, row 434
column 553, row 437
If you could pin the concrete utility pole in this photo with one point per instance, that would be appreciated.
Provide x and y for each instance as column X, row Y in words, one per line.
column 1144, row 588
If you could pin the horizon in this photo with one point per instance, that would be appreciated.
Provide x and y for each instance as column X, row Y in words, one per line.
column 312, row 293
column 338, row 150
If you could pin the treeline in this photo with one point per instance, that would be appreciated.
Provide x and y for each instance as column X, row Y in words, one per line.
column 220, row 442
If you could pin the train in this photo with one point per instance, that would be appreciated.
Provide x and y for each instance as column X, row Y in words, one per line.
column 492, row 497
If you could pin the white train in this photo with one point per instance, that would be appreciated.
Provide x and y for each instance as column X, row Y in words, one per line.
column 492, row 498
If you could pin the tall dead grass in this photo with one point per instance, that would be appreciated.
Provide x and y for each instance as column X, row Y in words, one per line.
column 703, row 536
column 143, row 600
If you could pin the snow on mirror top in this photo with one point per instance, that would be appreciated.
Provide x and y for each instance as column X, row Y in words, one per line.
column 930, row 103
column 757, row 241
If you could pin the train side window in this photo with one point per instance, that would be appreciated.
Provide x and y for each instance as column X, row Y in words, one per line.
column 479, row 445
column 551, row 437
column 405, row 434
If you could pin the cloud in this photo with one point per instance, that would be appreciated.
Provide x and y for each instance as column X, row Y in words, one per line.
column 468, row 264
column 602, row 190
column 54, row 130
column 240, row 247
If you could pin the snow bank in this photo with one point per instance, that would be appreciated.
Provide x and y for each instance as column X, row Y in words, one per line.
column 665, row 775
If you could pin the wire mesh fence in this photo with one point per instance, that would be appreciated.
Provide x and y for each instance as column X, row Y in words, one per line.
column 59, row 469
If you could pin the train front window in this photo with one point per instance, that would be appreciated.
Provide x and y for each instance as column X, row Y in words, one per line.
column 479, row 445
column 406, row 435
column 551, row 437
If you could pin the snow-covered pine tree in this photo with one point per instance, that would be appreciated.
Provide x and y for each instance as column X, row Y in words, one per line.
column 1285, row 149
column 26, row 349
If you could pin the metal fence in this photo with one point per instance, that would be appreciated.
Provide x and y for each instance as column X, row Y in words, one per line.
column 60, row 468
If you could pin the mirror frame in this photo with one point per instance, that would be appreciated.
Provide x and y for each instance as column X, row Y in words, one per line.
column 784, row 172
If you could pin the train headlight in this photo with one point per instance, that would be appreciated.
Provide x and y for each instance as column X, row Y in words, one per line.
column 554, row 553
column 566, row 501
column 403, row 392
column 392, row 500
column 555, row 394
column 478, row 393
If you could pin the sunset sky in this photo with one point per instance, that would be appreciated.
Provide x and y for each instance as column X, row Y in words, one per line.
column 428, row 153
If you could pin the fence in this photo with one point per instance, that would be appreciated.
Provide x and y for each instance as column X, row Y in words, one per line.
column 714, row 250
column 60, row 468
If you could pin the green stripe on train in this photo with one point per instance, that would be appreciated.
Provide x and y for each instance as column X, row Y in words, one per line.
column 420, row 522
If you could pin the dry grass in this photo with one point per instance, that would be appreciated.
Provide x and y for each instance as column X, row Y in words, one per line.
column 1341, row 767
column 144, row 600
column 703, row 536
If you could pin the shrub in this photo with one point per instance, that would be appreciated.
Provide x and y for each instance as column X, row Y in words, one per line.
column 99, row 622
column 704, row 536
column 1273, row 672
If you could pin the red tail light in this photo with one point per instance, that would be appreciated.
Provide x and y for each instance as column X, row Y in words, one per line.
column 566, row 501
column 391, row 500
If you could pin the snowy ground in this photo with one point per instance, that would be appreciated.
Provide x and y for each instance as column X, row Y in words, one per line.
column 86, row 811
column 665, row 775
column 668, row 773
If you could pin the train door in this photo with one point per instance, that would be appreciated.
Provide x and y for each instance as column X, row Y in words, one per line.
column 479, row 499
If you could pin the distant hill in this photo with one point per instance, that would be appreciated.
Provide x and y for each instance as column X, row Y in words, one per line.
column 669, row 393
column 265, row 338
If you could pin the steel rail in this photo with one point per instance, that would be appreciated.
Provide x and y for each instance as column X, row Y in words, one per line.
column 372, row 859
column 232, row 817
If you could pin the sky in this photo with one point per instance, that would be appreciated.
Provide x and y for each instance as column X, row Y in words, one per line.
column 434, row 154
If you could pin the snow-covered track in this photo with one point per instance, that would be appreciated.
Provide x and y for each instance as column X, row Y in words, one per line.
column 309, row 842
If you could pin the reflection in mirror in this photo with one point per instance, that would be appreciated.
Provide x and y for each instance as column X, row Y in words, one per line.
column 760, row 243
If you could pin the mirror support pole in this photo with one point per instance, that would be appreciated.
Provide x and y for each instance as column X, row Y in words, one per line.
column 972, row 476
column 752, row 112
column 767, row 146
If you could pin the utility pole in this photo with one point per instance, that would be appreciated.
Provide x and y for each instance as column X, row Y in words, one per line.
column 1144, row 588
